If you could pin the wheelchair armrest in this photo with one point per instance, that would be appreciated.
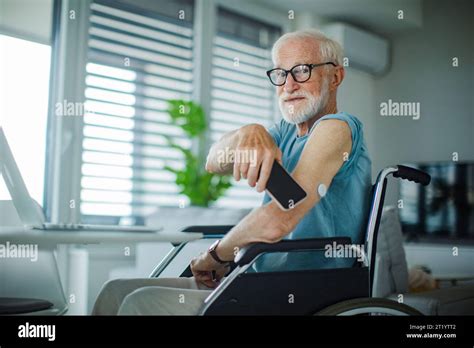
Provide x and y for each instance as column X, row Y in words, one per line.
column 209, row 229
column 250, row 252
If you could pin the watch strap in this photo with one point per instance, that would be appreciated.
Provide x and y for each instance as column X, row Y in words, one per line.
column 213, row 253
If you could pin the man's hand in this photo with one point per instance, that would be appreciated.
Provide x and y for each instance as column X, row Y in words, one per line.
column 254, row 151
column 203, row 267
column 255, row 145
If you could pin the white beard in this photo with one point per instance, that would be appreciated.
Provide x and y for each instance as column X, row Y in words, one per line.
column 313, row 105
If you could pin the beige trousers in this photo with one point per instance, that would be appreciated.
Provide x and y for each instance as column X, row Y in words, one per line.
column 151, row 296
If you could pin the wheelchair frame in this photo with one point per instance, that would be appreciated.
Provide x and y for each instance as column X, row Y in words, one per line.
column 317, row 291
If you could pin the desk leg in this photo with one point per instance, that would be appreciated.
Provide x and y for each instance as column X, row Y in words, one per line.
column 78, row 281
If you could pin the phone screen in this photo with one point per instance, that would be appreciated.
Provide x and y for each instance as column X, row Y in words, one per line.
column 283, row 188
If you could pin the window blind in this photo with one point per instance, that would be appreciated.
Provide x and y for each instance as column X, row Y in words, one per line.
column 138, row 58
column 241, row 93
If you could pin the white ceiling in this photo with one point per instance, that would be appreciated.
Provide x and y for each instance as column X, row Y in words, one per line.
column 376, row 15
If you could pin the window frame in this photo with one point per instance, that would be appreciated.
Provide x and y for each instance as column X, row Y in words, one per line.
column 69, row 49
column 65, row 134
column 249, row 9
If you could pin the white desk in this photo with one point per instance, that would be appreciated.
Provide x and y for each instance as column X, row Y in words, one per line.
column 46, row 239
column 77, row 259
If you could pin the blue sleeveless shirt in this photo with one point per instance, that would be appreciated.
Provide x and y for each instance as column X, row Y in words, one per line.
column 344, row 209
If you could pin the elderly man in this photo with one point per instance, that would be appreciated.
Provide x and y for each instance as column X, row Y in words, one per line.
column 323, row 149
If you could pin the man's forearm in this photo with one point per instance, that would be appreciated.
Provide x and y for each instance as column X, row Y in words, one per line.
column 263, row 224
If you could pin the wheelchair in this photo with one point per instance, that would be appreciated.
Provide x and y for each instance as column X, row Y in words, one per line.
column 329, row 291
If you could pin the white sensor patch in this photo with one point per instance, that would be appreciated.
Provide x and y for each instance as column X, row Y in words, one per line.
column 322, row 190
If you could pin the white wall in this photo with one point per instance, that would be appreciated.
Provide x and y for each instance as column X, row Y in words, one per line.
column 422, row 72
column 356, row 96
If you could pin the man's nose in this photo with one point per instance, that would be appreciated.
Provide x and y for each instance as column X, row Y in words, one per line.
column 290, row 85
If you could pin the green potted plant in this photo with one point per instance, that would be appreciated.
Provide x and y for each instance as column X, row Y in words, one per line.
column 202, row 188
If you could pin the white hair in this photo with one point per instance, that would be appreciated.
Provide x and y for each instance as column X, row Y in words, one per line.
column 329, row 49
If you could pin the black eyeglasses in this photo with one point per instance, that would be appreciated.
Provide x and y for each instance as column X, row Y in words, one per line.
column 300, row 73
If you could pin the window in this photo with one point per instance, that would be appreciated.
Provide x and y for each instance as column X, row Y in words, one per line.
column 138, row 59
column 241, row 92
column 24, row 86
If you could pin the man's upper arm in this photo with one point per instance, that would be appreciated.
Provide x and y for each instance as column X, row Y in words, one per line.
column 321, row 159
column 323, row 154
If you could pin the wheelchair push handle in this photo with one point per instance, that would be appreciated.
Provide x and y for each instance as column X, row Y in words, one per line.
column 412, row 174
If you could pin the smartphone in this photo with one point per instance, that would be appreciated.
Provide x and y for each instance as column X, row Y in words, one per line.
column 284, row 190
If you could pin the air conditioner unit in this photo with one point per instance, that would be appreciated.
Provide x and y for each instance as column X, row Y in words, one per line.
column 364, row 50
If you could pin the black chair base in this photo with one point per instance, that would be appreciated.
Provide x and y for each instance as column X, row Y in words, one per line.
column 13, row 305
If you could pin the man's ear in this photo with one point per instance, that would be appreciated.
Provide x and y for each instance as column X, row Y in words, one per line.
column 337, row 77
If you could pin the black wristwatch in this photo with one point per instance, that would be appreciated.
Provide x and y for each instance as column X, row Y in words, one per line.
column 212, row 252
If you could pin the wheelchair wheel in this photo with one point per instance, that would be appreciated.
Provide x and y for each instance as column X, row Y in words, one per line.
column 369, row 306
